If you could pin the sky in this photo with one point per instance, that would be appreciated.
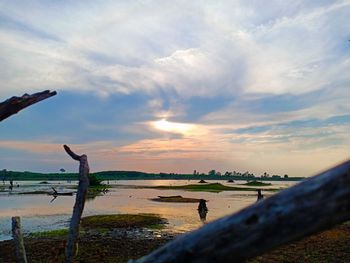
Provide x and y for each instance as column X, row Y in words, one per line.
column 177, row 86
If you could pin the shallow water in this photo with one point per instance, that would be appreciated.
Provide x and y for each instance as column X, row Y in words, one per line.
column 38, row 213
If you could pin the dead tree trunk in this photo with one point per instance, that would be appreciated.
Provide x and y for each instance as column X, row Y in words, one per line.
column 18, row 240
column 311, row 206
column 15, row 104
column 71, row 247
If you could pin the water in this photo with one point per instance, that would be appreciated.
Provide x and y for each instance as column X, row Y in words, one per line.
column 40, row 213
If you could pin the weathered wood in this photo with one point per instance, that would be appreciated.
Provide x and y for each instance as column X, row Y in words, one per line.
column 309, row 207
column 73, row 235
column 18, row 240
column 15, row 104
column 55, row 193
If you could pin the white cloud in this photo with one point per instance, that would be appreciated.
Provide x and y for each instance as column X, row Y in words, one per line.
column 197, row 48
column 241, row 51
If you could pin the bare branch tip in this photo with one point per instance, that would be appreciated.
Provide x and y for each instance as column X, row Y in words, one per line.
column 71, row 153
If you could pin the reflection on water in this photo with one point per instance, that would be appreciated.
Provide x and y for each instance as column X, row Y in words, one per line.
column 41, row 213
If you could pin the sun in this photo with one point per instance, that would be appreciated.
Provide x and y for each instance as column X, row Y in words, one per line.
column 174, row 127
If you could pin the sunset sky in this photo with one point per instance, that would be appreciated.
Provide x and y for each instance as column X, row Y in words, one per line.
column 177, row 86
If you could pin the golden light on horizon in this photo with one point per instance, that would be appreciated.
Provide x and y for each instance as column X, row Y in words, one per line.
column 174, row 127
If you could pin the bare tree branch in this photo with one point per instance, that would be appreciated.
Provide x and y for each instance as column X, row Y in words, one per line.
column 311, row 206
column 18, row 240
column 71, row 247
column 71, row 153
column 15, row 104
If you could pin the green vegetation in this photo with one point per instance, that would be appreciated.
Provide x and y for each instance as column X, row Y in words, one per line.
column 94, row 180
column 104, row 223
column 122, row 221
column 256, row 183
column 214, row 187
column 30, row 176
column 175, row 199
column 94, row 191
column 126, row 175
column 52, row 233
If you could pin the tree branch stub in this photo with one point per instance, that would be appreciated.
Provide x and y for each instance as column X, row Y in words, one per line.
column 71, row 153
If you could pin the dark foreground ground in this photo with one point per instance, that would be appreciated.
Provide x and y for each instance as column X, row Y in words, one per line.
column 329, row 246
column 91, row 249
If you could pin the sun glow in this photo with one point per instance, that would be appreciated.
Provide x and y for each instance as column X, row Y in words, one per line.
column 175, row 127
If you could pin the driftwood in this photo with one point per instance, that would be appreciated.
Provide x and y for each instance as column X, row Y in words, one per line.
column 309, row 207
column 55, row 193
column 15, row 104
column 18, row 240
column 71, row 247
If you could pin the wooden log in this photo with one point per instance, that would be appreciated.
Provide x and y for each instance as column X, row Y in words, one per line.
column 18, row 240
column 55, row 193
column 309, row 207
column 73, row 235
column 15, row 104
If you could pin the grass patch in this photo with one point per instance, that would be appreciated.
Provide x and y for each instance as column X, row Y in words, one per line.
column 97, row 190
column 122, row 221
column 51, row 233
column 256, row 183
column 175, row 199
column 214, row 187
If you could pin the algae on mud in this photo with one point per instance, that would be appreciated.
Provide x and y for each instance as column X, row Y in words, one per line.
column 98, row 241
column 122, row 221
column 175, row 199
column 51, row 233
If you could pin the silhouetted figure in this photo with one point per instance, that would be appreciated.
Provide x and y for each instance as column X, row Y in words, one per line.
column 202, row 210
column 260, row 195
column 11, row 185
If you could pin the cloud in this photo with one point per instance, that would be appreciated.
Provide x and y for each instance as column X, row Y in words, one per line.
column 239, row 83
column 120, row 47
